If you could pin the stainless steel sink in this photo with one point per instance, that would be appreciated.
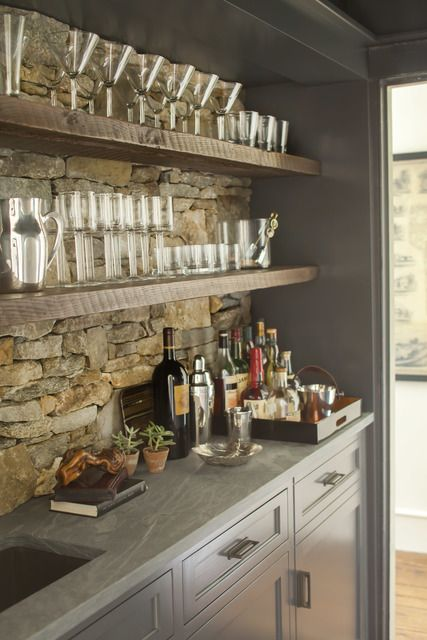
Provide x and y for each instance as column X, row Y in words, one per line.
column 28, row 565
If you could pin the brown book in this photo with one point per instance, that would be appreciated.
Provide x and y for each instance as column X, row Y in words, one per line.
column 93, row 486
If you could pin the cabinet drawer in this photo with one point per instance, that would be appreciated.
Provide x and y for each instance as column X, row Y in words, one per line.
column 147, row 614
column 212, row 569
column 317, row 489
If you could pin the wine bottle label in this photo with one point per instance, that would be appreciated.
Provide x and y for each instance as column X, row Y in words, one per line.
column 242, row 383
column 231, row 393
column 261, row 409
column 182, row 399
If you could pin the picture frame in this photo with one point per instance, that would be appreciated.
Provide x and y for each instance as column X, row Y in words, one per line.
column 409, row 222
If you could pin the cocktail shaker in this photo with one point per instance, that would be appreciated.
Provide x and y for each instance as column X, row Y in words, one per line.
column 201, row 402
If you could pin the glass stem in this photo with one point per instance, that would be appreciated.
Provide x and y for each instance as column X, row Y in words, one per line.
column 184, row 125
column 130, row 114
column 197, row 122
column 53, row 100
column 73, row 84
column 160, row 245
column 89, row 259
column 157, row 122
column 117, row 256
column 80, row 257
column 220, row 120
column 133, row 269
column 109, row 102
column 144, row 253
column 172, row 115
column 141, row 109
column 91, row 106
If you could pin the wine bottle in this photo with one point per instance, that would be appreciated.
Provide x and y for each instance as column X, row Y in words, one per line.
column 225, row 380
column 260, row 339
column 257, row 395
column 293, row 382
column 171, row 397
column 272, row 357
column 248, row 343
column 240, row 363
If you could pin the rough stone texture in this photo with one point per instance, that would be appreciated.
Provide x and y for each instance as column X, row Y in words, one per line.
column 122, row 363
column 47, row 404
column 233, row 317
column 87, row 377
column 145, row 174
column 75, row 342
column 81, row 396
column 151, row 345
column 31, row 330
column 74, row 420
column 44, row 453
column 113, row 172
column 82, row 322
column 126, row 333
column 196, row 337
column 21, row 412
column 128, row 377
column 26, row 429
column 6, row 351
column 46, row 480
column 97, row 347
column 24, row 188
column 17, row 478
column 6, row 443
column 188, row 314
column 20, row 373
column 68, row 366
column 215, row 304
column 69, row 184
column 139, row 314
column 37, row 389
column 191, row 226
column 48, row 347
column 31, row 165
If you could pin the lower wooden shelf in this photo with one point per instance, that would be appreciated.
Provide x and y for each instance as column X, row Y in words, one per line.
column 70, row 302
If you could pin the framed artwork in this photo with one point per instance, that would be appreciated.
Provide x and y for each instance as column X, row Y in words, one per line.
column 409, row 202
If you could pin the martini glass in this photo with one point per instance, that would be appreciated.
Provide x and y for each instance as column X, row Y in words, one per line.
column 141, row 72
column 127, row 97
column 73, row 53
column 91, row 89
column 201, row 86
column 172, row 82
column 222, row 100
column 156, row 105
column 184, row 110
column 114, row 58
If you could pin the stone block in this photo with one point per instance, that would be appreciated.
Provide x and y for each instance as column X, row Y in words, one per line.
column 215, row 304
column 69, row 366
column 227, row 319
column 82, row 322
column 126, row 333
column 139, row 314
column 17, row 478
column 22, row 412
column 46, row 480
column 71, row 184
column 153, row 345
column 122, row 363
column 192, row 178
column 6, row 443
column 195, row 337
column 179, row 190
column 32, row 165
column 87, row 377
column 37, row 389
column 74, row 420
column 182, row 204
column 30, row 330
column 145, row 174
column 123, row 349
column 6, row 351
column 191, row 226
column 157, row 310
column 80, row 396
column 188, row 314
column 128, row 377
column 44, row 453
column 113, row 172
column 24, row 188
column 75, row 342
column 47, row 404
column 207, row 204
column 97, row 347
column 47, row 347
column 22, row 430
column 20, row 373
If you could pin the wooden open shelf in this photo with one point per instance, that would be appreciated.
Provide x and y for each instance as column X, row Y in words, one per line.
column 42, row 128
column 71, row 302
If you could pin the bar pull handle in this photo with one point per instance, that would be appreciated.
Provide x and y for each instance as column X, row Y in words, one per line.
column 303, row 590
column 333, row 479
column 241, row 549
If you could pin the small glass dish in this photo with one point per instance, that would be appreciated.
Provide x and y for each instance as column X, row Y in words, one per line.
column 226, row 453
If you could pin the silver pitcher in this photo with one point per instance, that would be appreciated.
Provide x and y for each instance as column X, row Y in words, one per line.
column 24, row 258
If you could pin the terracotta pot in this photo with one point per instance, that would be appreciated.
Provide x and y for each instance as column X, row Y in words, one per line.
column 155, row 460
column 131, row 462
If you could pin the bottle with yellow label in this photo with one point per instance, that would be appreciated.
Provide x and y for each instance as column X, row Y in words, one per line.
column 172, row 397
column 242, row 367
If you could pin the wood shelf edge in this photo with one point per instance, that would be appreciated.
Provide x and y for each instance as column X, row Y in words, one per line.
column 59, row 304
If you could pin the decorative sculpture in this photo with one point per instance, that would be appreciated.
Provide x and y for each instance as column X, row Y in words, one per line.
column 75, row 462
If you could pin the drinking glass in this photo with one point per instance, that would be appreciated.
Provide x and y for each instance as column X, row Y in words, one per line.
column 172, row 82
column 127, row 97
column 78, row 214
column 222, row 100
column 141, row 72
column 160, row 221
column 113, row 59
column 73, row 52
column 200, row 89
column 267, row 132
column 232, row 127
column 156, row 104
column 104, row 215
column 91, row 90
column 248, row 127
column 282, row 136
column 141, row 228
column 12, row 45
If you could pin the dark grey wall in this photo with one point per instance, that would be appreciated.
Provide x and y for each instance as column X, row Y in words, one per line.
column 326, row 221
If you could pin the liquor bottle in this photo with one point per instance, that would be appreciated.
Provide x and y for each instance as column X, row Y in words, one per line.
column 293, row 382
column 260, row 339
column 272, row 357
column 248, row 343
column 285, row 361
column 171, row 397
column 225, row 380
column 257, row 396
column 283, row 400
column 242, row 367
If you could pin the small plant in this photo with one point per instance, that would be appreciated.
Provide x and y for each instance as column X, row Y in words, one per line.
column 157, row 436
column 127, row 440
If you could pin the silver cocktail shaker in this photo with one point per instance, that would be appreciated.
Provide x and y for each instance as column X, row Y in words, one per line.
column 201, row 402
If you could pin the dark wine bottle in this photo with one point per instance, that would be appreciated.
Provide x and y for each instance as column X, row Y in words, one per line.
column 172, row 397
column 242, row 367
column 225, row 380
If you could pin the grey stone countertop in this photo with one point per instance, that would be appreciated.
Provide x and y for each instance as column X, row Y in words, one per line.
column 188, row 502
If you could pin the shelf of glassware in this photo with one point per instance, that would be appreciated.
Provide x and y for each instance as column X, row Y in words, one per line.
column 33, row 126
column 70, row 302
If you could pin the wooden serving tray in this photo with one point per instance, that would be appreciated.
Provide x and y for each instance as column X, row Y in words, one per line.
column 346, row 409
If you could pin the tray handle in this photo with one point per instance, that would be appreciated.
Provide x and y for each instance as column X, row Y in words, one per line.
column 316, row 368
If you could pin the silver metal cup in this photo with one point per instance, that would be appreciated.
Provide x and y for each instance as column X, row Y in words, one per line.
column 239, row 424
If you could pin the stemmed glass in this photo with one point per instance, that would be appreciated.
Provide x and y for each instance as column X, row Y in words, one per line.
column 156, row 105
column 222, row 100
column 127, row 97
column 114, row 57
column 90, row 92
column 172, row 82
column 201, row 86
column 73, row 53
column 141, row 72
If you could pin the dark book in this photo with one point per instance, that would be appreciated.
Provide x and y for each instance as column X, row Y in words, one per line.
column 130, row 488
column 93, row 486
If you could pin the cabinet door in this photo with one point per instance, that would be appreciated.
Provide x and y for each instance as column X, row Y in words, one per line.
column 328, row 575
column 261, row 611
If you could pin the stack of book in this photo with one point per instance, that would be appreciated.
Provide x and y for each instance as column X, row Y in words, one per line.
column 96, row 492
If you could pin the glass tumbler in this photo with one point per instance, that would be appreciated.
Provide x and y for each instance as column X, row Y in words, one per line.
column 12, row 44
column 232, row 127
column 267, row 133
column 281, row 143
column 248, row 127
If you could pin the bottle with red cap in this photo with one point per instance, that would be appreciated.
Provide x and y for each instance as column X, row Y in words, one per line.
column 257, row 396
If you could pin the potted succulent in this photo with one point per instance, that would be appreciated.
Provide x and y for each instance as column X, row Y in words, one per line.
column 158, row 441
column 128, row 442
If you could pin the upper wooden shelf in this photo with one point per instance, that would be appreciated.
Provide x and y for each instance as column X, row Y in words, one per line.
column 71, row 302
column 40, row 127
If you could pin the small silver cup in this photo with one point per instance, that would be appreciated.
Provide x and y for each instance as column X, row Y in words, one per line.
column 239, row 424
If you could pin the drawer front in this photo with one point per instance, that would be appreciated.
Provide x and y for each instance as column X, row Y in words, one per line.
column 211, row 570
column 146, row 615
column 319, row 488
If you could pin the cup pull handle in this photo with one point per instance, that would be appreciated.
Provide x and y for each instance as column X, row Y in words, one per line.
column 303, row 590
column 241, row 549
column 53, row 215
column 333, row 479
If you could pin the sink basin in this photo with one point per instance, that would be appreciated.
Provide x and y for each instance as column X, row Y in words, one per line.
column 28, row 567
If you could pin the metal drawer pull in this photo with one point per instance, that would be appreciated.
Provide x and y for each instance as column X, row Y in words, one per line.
column 333, row 479
column 241, row 549
column 303, row 590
